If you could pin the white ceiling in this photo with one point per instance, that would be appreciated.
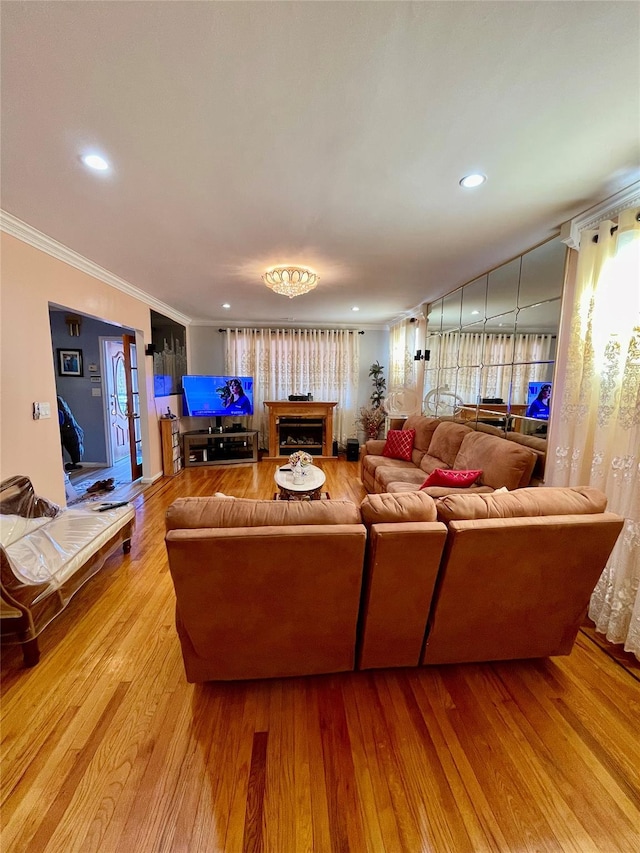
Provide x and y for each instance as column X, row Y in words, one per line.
column 333, row 134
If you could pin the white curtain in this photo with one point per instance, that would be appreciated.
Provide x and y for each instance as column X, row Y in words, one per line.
column 596, row 439
column 322, row 362
column 406, row 375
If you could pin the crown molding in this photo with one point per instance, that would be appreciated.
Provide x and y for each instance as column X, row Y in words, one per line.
column 27, row 234
column 591, row 218
column 236, row 324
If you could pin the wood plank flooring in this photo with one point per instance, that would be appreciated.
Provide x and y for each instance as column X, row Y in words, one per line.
column 105, row 747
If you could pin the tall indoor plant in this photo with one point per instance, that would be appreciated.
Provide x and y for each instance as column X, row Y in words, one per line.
column 371, row 417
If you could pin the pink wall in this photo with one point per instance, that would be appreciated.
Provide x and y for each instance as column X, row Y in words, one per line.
column 30, row 280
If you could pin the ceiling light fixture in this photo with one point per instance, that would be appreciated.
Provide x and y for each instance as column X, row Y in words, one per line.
column 95, row 161
column 290, row 280
column 355, row 308
column 470, row 181
column 226, row 305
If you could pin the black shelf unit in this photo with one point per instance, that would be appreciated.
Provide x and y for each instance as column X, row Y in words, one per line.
column 219, row 448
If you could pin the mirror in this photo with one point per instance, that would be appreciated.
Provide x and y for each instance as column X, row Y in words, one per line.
column 474, row 301
column 493, row 343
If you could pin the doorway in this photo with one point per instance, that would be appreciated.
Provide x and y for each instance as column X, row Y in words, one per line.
column 106, row 392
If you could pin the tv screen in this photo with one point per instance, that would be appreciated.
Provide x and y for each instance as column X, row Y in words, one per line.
column 213, row 396
column 539, row 400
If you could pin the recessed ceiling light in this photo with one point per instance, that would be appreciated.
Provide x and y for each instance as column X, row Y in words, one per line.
column 226, row 305
column 355, row 308
column 95, row 161
column 475, row 312
column 474, row 180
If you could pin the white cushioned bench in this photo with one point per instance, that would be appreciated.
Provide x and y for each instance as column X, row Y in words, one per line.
column 47, row 554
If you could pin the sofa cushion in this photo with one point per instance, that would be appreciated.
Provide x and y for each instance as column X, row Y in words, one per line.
column 195, row 513
column 410, row 506
column 523, row 503
column 397, row 487
column 54, row 551
column 503, row 463
column 445, row 444
column 410, row 474
column 399, row 444
column 14, row 527
column 424, row 429
column 538, row 446
column 442, row 477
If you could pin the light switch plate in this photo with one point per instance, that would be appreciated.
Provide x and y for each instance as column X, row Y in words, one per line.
column 96, row 392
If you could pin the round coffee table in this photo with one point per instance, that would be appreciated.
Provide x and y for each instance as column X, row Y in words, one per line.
column 310, row 490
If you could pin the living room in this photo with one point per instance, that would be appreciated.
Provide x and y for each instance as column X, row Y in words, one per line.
column 380, row 110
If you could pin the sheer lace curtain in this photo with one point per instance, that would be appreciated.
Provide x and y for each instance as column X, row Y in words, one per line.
column 323, row 362
column 596, row 439
column 406, row 375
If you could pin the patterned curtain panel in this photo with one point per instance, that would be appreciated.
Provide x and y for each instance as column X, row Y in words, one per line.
column 405, row 388
column 596, row 439
column 321, row 362
column 402, row 365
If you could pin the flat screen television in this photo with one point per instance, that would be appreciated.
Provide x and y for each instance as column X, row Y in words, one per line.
column 217, row 396
column 539, row 400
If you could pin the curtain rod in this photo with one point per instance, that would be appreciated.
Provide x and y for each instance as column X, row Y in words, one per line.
column 350, row 331
column 612, row 230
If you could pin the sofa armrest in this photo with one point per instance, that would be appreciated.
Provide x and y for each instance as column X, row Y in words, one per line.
column 372, row 447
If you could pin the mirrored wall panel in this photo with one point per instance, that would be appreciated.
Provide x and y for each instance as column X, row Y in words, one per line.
column 492, row 344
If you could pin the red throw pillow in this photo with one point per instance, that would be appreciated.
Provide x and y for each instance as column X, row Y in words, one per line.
column 399, row 444
column 444, row 477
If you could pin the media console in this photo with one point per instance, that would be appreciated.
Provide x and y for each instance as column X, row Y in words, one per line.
column 202, row 447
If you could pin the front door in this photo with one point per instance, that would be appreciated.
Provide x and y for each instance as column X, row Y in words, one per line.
column 117, row 396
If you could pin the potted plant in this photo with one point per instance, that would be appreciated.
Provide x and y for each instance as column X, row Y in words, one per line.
column 372, row 417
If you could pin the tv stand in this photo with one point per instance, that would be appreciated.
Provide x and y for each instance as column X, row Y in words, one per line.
column 202, row 447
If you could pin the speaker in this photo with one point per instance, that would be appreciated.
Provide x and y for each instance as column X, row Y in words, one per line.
column 150, row 349
column 353, row 450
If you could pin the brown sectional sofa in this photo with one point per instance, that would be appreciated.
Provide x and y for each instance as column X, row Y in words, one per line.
column 506, row 460
column 265, row 588
column 274, row 588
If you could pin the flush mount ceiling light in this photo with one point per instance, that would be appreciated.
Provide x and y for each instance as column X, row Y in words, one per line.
column 470, row 181
column 290, row 280
column 96, row 162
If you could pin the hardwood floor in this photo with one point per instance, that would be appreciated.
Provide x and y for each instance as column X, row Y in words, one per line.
column 125, row 489
column 105, row 747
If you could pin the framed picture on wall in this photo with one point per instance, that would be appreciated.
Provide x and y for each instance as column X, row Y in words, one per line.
column 69, row 362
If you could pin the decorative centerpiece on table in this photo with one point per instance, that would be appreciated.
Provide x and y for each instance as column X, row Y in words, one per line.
column 299, row 461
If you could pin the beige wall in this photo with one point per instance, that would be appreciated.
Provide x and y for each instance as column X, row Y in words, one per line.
column 30, row 280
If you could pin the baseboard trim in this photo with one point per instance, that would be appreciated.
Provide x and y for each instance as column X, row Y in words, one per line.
column 148, row 481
